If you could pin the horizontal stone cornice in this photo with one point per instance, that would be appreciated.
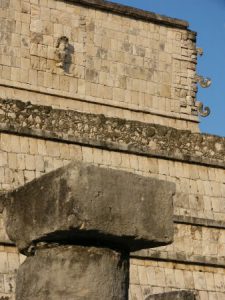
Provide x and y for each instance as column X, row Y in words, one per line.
column 24, row 118
column 132, row 12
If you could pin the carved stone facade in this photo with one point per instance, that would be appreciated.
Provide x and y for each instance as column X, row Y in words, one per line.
column 120, row 94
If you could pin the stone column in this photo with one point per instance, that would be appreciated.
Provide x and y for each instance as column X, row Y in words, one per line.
column 78, row 224
column 74, row 272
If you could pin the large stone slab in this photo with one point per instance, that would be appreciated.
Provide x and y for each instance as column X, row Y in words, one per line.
column 83, row 203
column 176, row 295
column 73, row 272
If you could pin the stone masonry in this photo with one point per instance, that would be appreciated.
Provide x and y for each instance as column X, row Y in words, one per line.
column 120, row 61
column 120, row 95
column 79, row 224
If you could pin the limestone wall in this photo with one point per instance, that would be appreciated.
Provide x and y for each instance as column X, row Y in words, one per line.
column 139, row 65
column 152, row 277
column 195, row 260
column 127, row 71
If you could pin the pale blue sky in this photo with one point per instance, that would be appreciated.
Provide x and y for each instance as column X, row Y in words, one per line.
column 207, row 17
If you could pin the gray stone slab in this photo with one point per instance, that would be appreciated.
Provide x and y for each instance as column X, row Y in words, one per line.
column 177, row 295
column 73, row 272
column 133, row 12
column 83, row 203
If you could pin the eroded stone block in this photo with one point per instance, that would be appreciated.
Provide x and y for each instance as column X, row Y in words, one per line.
column 84, row 203
column 73, row 272
column 177, row 295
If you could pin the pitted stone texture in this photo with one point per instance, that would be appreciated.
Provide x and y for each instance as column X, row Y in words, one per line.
column 85, row 203
column 73, row 272
column 133, row 12
column 110, row 133
column 177, row 295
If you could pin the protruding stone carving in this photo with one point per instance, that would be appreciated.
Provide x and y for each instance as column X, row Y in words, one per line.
column 200, row 51
column 204, row 82
column 203, row 112
column 62, row 51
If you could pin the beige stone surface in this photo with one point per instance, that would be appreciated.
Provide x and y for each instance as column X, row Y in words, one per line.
column 10, row 260
column 200, row 193
column 152, row 277
column 200, row 189
column 127, row 64
column 119, row 67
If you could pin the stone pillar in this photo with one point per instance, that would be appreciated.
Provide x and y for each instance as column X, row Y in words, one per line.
column 78, row 225
column 74, row 272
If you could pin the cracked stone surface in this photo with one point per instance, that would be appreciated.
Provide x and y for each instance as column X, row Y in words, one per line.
column 83, row 203
column 73, row 272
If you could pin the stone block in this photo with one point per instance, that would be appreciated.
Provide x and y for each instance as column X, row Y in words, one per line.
column 177, row 295
column 73, row 272
column 85, row 203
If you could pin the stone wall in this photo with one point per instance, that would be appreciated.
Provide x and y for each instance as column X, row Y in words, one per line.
column 30, row 145
column 135, row 64
column 153, row 277
column 128, row 74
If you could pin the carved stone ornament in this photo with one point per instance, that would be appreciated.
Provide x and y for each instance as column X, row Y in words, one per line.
column 62, row 51
column 204, row 82
column 200, row 51
column 203, row 112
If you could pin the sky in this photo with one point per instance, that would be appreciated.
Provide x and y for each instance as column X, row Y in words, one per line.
column 207, row 18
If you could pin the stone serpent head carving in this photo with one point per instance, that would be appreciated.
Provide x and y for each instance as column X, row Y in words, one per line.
column 203, row 112
column 204, row 82
column 199, row 51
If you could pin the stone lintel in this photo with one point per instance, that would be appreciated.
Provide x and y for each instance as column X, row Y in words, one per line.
column 86, row 204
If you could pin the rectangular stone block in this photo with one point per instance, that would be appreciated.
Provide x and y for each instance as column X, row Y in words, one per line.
column 179, row 295
column 82, row 202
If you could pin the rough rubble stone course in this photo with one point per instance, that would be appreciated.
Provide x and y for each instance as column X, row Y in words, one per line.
column 73, row 272
column 111, row 133
column 84, row 203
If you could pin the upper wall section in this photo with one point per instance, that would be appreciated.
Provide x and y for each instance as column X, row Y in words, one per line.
column 116, row 56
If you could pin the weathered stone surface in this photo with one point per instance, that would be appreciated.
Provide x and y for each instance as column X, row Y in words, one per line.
column 133, row 12
column 73, row 272
column 85, row 203
column 180, row 295
column 111, row 133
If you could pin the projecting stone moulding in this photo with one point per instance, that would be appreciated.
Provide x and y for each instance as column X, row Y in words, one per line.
column 83, row 203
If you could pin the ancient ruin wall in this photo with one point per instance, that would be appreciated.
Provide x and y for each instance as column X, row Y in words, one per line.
column 138, row 68
column 32, row 146
column 119, row 61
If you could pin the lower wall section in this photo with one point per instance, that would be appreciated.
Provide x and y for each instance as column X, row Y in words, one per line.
column 146, row 277
column 10, row 260
column 152, row 277
column 195, row 260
